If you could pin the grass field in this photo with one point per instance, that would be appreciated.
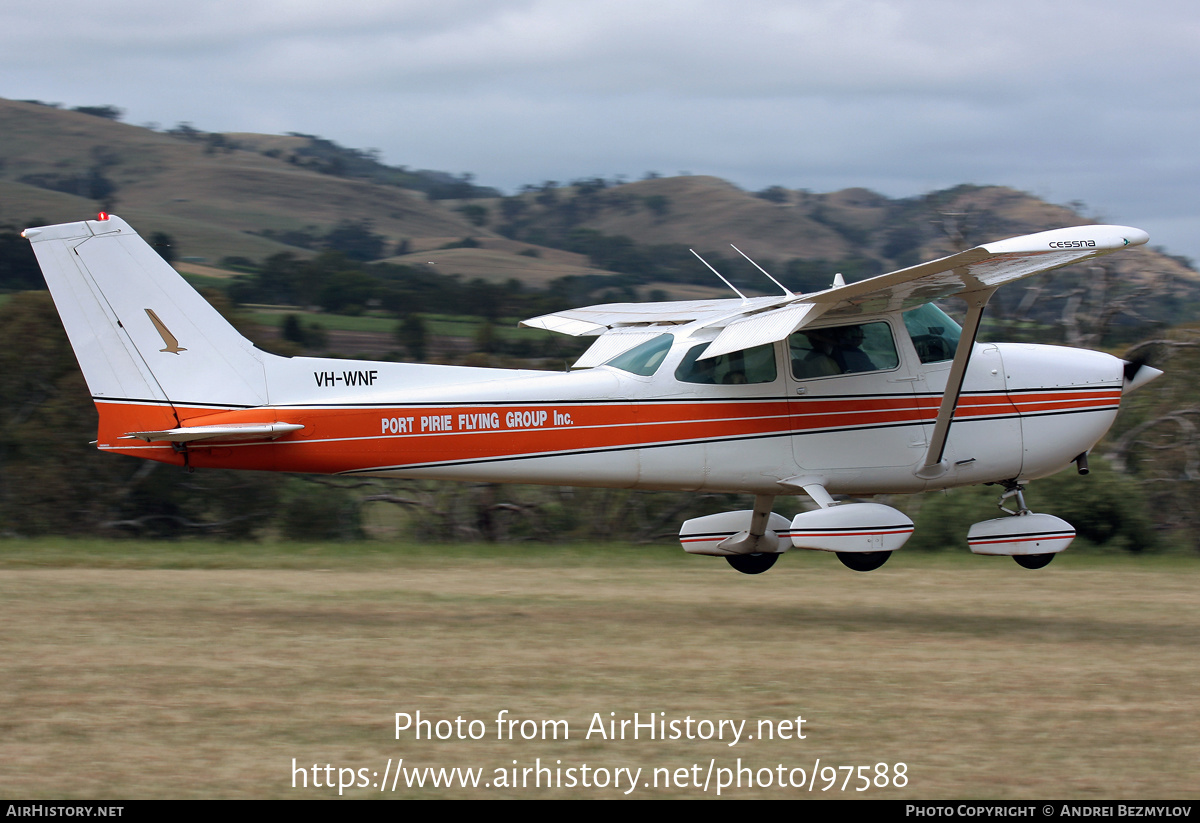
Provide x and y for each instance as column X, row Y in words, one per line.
column 203, row 669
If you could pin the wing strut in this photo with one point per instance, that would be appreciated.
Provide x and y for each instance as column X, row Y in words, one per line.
column 934, row 465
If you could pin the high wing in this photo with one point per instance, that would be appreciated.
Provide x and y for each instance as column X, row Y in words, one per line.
column 592, row 320
column 974, row 275
column 758, row 320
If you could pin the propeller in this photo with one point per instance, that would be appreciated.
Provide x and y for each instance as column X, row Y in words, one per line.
column 1138, row 373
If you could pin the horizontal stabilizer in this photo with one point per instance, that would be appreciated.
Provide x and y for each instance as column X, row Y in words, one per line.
column 232, row 432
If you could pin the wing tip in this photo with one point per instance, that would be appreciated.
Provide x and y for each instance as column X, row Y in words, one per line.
column 1080, row 238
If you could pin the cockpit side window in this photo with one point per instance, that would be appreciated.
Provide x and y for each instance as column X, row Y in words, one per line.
column 756, row 365
column 934, row 334
column 645, row 359
column 833, row 350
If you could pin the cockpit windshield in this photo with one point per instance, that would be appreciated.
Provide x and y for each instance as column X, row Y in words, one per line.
column 934, row 334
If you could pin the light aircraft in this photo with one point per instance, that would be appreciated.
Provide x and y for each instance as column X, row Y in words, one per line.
column 861, row 389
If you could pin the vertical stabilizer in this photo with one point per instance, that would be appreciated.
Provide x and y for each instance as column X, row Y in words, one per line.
column 139, row 331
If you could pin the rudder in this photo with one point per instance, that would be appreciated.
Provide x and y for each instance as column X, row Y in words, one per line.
column 139, row 331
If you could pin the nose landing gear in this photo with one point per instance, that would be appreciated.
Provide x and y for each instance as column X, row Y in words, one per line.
column 1030, row 539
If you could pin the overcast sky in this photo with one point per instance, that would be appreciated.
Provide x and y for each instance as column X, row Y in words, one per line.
column 1094, row 101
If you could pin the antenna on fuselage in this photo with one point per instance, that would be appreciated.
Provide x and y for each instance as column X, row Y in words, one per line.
column 718, row 274
column 786, row 290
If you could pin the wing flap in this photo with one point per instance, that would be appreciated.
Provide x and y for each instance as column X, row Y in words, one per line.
column 766, row 327
column 597, row 319
column 617, row 341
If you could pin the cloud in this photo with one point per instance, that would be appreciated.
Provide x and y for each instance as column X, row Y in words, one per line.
column 1077, row 100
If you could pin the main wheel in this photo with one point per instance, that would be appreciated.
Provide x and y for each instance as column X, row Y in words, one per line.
column 863, row 561
column 752, row 563
column 1033, row 561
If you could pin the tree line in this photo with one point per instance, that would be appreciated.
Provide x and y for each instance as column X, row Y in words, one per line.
column 1138, row 497
column 52, row 482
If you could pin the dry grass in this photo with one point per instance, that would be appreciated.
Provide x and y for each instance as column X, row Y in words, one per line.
column 124, row 677
column 498, row 265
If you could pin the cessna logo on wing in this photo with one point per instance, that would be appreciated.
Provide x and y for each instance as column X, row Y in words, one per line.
column 1074, row 244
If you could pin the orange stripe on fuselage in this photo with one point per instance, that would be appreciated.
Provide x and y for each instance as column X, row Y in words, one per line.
column 341, row 439
column 1044, row 402
column 1028, row 403
column 118, row 418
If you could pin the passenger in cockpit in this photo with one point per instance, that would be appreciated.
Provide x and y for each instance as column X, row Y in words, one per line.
column 847, row 352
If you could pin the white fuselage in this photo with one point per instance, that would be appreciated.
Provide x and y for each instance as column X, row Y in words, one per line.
column 1026, row 411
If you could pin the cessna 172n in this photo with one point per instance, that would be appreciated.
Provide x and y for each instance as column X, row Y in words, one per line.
column 860, row 389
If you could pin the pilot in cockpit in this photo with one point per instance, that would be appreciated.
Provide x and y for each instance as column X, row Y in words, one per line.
column 846, row 350
column 819, row 360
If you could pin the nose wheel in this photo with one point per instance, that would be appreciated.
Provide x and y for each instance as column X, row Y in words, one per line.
column 1033, row 561
column 1025, row 561
column 1029, row 538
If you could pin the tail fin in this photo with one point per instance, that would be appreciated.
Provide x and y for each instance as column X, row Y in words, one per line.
column 139, row 331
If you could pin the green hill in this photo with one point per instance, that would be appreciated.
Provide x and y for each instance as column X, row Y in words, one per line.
column 251, row 196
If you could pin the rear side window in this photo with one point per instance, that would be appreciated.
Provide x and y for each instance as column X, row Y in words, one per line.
column 756, row 365
column 645, row 359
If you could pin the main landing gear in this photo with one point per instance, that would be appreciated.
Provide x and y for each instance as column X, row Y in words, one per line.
column 863, row 561
column 752, row 563
column 1033, row 561
column 862, row 535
